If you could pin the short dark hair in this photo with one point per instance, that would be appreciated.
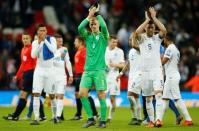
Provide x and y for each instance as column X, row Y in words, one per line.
column 58, row 36
column 170, row 36
column 81, row 39
column 151, row 22
column 25, row 33
column 40, row 25
column 112, row 37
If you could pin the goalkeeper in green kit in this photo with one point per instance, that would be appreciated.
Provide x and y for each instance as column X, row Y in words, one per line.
column 94, row 68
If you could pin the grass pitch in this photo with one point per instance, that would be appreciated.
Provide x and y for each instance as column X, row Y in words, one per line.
column 119, row 123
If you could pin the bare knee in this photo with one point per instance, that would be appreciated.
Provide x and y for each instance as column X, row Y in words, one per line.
column 77, row 95
column 36, row 94
column 101, row 94
column 149, row 99
column 23, row 94
column 83, row 92
column 60, row 96
column 52, row 96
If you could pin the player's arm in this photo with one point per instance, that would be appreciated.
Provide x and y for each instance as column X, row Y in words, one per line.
column 35, row 49
column 162, row 28
column 69, row 68
column 125, row 68
column 133, row 41
column 121, row 60
column 103, row 26
column 51, row 46
column 141, row 28
column 165, row 60
column 19, row 72
column 82, row 27
column 167, row 56
column 119, row 65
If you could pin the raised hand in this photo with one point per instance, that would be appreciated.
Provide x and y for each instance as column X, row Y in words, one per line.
column 91, row 13
column 152, row 12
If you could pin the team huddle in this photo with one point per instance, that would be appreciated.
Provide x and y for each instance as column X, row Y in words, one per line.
column 99, row 64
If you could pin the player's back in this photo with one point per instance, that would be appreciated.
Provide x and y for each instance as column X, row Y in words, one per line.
column 171, row 67
column 150, row 51
column 134, row 61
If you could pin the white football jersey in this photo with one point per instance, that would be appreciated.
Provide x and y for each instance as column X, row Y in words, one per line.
column 115, row 56
column 59, row 62
column 150, row 51
column 171, row 67
column 134, row 61
column 37, row 52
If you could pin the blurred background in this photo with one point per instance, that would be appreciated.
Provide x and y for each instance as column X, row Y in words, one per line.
column 122, row 16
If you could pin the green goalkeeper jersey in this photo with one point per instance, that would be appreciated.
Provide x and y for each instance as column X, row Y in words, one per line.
column 95, row 45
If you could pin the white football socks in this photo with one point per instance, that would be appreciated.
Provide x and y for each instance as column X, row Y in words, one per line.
column 36, row 106
column 60, row 106
column 181, row 105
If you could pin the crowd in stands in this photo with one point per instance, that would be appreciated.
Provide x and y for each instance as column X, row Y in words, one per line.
column 122, row 16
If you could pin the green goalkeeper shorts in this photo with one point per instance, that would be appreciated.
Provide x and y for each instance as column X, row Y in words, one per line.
column 94, row 78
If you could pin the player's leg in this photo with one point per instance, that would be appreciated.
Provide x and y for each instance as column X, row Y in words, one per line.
column 101, row 87
column 60, row 90
column 30, row 109
column 150, row 110
column 114, row 90
column 78, row 114
column 112, row 107
column 159, row 105
column 103, row 108
column 181, row 105
column 164, row 105
column 135, row 108
column 146, row 118
column 20, row 106
column 41, row 109
column 92, row 103
column 148, row 92
column 173, row 107
column 49, row 88
column 134, row 90
column 158, row 83
column 85, row 85
column 53, row 104
column 59, row 107
column 27, row 89
column 36, row 91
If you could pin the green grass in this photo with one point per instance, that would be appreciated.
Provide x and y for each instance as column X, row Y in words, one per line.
column 119, row 123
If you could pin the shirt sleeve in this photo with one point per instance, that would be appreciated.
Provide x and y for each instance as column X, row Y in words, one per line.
column 35, row 49
column 158, row 37
column 51, row 46
column 103, row 26
column 20, row 71
column 82, row 28
column 168, row 53
column 121, row 58
column 68, row 65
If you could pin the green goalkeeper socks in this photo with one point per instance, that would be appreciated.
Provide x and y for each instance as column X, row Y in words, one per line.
column 87, row 107
column 103, row 109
